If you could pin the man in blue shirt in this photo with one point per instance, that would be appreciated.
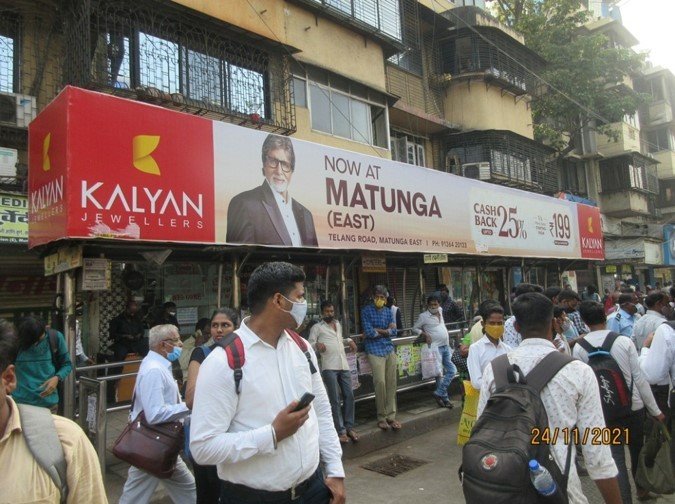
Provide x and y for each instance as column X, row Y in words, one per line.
column 378, row 328
column 623, row 320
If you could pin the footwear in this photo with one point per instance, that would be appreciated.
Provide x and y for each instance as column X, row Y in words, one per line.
column 353, row 435
column 439, row 400
column 394, row 424
column 383, row 425
column 644, row 495
column 447, row 404
column 344, row 439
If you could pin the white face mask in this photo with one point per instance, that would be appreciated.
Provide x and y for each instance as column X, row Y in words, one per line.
column 298, row 311
column 434, row 310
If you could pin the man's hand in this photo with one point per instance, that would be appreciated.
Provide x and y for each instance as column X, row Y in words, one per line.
column 320, row 347
column 287, row 422
column 660, row 417
column 427, row 338
column 337, row 488
column 49, row 386
column 352, row 346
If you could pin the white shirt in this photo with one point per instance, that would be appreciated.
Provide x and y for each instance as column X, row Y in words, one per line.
column 156, row 391
column 511, row 337
column 571, row 399
column 481, row 354
column 647, row 324
column 624, row 353
column 657, row 363
column 286, row 209
column 433, row 326
column 334, row 357
column 234, row 432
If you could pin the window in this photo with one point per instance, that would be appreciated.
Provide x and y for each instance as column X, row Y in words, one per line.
column 407, row 149
column 627, row 173
column 9, row 60
column 660, row 140
column 346, row 109
column 573, row 178
column 383, row 15
column 655, row 88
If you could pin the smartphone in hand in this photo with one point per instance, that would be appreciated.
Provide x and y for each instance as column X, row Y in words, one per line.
column 305, row 401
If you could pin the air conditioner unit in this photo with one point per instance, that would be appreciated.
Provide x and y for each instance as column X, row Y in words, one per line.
column 478, row 171
column 8, row 161
column 17, row 109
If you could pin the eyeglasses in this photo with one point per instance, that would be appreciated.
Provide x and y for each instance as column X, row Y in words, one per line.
column 273, row 162
column 172, row 340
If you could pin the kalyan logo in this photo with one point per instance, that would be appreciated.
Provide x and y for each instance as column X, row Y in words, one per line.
column 143, row 147
column 590, row 225
column 46, row 163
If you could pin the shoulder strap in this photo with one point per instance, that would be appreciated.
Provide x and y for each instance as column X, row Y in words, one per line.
column 609, row 341
column 583, row 343
column 54, row 346
column 547, row 368
column 300, row 341
column 43, row 442
column 236, row 358
column 206, row 349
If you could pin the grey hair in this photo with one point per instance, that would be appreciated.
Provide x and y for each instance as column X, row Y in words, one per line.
column 160, row 333
column 380, row 289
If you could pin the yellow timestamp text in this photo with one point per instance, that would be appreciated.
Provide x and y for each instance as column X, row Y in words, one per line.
column 591, row 435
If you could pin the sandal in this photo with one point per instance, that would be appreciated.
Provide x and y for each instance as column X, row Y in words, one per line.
column 383, row 425
column 344, row 439
column 394, row 424
column 353, row 435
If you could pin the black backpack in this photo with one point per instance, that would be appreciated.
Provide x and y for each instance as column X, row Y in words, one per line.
column 495, row 459
column 615, row 395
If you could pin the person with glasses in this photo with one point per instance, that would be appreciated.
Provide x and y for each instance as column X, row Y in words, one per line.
column 156, row 394
column 267, row 215
column 623, row 320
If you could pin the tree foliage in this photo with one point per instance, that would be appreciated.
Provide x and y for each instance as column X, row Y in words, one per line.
column 581, row 85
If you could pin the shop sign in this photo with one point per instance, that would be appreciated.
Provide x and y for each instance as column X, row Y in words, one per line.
column 13, row 218
column 669, row 245
column 67, row 258
column 610, row 269
column 373, row 263
column 96, row 274
column 121, row 169
column 435, row 258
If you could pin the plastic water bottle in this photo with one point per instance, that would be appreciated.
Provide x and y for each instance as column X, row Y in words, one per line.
column 542, row 479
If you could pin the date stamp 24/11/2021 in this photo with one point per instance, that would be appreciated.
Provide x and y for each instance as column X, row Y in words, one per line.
column 590, row 435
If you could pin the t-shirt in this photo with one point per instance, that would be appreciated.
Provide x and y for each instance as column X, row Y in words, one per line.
column 198, row 353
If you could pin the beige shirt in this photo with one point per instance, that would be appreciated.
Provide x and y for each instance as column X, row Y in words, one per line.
column 31, row 483
column 334, row 357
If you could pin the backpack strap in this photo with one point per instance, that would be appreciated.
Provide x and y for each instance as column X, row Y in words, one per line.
column 54, row 346
column 234, row 349
column 43, row 442
column 583, row 343
column 206, row 349
column 609, row 341
column 300, row 341
column 547, row 368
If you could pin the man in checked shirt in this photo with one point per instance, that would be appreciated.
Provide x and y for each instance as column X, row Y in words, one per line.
column 378, row 327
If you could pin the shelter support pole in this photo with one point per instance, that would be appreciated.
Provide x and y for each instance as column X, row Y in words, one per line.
column 236, row 284
column 70, row 334
column 343, row 295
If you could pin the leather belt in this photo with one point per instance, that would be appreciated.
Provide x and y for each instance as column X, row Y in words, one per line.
column 245, row 493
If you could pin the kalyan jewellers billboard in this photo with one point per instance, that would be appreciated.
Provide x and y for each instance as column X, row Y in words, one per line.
column 110, row 168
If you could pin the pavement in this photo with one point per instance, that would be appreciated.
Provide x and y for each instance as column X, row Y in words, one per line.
column 428, row 437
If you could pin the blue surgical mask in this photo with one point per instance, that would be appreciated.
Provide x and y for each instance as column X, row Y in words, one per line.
column 175, row 353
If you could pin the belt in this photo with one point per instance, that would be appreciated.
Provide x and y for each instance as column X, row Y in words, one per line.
column 254, row 495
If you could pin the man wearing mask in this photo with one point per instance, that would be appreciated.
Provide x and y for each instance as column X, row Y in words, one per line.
column 378, row 327
column 658, row 310
column 168, row 315
column 328, row 341
column 570, row 300
column 483, row 351
column 623, row 320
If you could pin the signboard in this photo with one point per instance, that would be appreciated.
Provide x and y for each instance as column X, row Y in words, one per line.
column 669, row 245
column 105, row 167
column 96, row 274
column 13, row 218
column 374, row 263
column 435, row 258
column 67, row 258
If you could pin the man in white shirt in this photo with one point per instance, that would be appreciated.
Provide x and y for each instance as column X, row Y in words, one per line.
column 263, row 448
column 624, row 353
column 511, row 336
column 489, row 346
column 431, row 327
column 156, row 394
column 658, row 308
column 326, row 338
column 571, row 398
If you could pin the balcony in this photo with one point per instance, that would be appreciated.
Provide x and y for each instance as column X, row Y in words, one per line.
column 628, row 140
column 666, row 166
column 626, row 203
column 629, row 185
column 660, row 112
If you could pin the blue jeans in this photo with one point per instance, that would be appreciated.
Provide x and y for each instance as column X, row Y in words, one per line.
column 340, row 381
column 443, row 383
column 635, row 425
column 317, row 493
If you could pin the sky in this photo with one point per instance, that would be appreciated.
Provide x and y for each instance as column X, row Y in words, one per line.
column 651, row 22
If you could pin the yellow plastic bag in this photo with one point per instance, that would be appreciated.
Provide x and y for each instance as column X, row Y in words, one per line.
column 469, row 411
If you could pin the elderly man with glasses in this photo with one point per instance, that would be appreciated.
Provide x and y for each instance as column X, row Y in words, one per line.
column 267, row 215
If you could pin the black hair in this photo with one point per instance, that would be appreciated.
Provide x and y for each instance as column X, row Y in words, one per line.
column 433, row 297
column 488, row 307
column 591, row 289
column 558, row 310
column 229, row 313
column 169, row 304
column 9, row 344
column 654, row 298
column 202, row 323
column 326, row 303
column 270, row 278
column 552, row 292
column 592, row 313
column 534, row 313
column 30, row 330
column 527, row 287
column 626, row 298
column 567, row 294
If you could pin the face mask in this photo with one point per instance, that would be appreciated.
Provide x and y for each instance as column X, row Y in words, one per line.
column 495, row 332
column 565, row 325
column 298, row 311
column 175, row 353
column 328, row 320
column 434, row 310
column 379, row 303
column 172, row 313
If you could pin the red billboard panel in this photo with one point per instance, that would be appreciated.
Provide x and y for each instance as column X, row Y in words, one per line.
column 590, row 232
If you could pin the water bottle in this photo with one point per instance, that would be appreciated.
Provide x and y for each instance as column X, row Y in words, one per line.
column 542, row 479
